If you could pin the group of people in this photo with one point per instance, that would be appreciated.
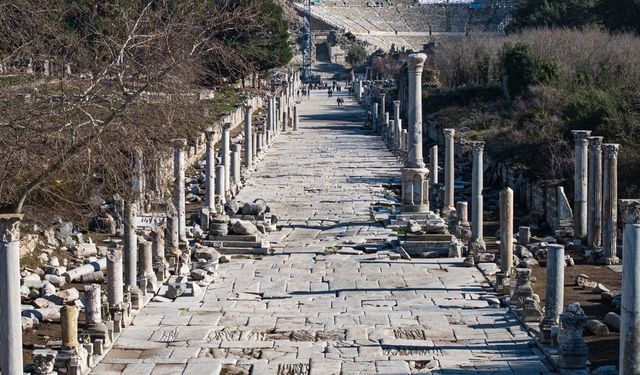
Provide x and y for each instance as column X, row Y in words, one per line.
column 330, row 89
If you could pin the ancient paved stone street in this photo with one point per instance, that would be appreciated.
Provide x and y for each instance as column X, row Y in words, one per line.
column 317, row 306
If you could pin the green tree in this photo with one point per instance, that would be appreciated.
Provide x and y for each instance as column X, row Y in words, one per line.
column 620, row 15
column 555, row 13
column 523, row 68
column 356, row 55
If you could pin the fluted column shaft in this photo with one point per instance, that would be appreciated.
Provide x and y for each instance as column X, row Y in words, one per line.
column 580, row 183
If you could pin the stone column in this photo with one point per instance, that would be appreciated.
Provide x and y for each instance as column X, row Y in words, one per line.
column 397, row 134
column 10, row 320
column 210, row 171
column 115, row 285
column 554, row 294
column 92, row 305
column 220, row 185
column 404, row 139
column 524, row 236
column 396, row 111
column 390, row 134
column 462, row 210
column 296, row 118
column 610, row 204
column 449, row 169
column 415, row 177
column 433, row 164
column 226, row 154
column 137, row 178
column 157, row 235
column 477, row 224
column 630, row 311
column 173, row 228
column 130, row 244
column 580, row 183
column 270, row 114
column 248, row 137
column 374, row 117
column 385, row 127
column 235, row 168
column 145, row 264
column 383, row 110
column 594, row 218
column 179, row 199
column 254, row 146
column 69, row 323
column 506, row 232
column 260, row 143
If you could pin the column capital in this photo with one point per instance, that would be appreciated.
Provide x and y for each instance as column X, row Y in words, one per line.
column 629, row 210
column 179, row 143
column 226, row 126
column 610, row 150
column 580, row 136
column 416, row 62
column 478, row 146
column 595, row 143
column 210, row 134
column 10, row 227
column 449, row 133
column 396, row 103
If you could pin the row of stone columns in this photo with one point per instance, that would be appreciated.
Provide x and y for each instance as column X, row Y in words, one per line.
column 595, row 194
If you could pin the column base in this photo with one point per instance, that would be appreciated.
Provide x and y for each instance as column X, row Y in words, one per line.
column 546, row 335
column 415, row 190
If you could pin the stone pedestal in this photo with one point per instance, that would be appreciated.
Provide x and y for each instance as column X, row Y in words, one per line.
column 594, row 219
column 554, row 298
column 449, row 170
column 580, row 183
column 415, row 190
column 248, row 137
column 179, row 199
column 145, row 265
column 210, row 172
column 398, row 135
column 477, row 239
column 10, row 321
column 573, row 351
column 630, row 311
column 610, row 204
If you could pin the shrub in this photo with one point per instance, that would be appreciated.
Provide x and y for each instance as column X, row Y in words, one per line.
column 523, row 68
